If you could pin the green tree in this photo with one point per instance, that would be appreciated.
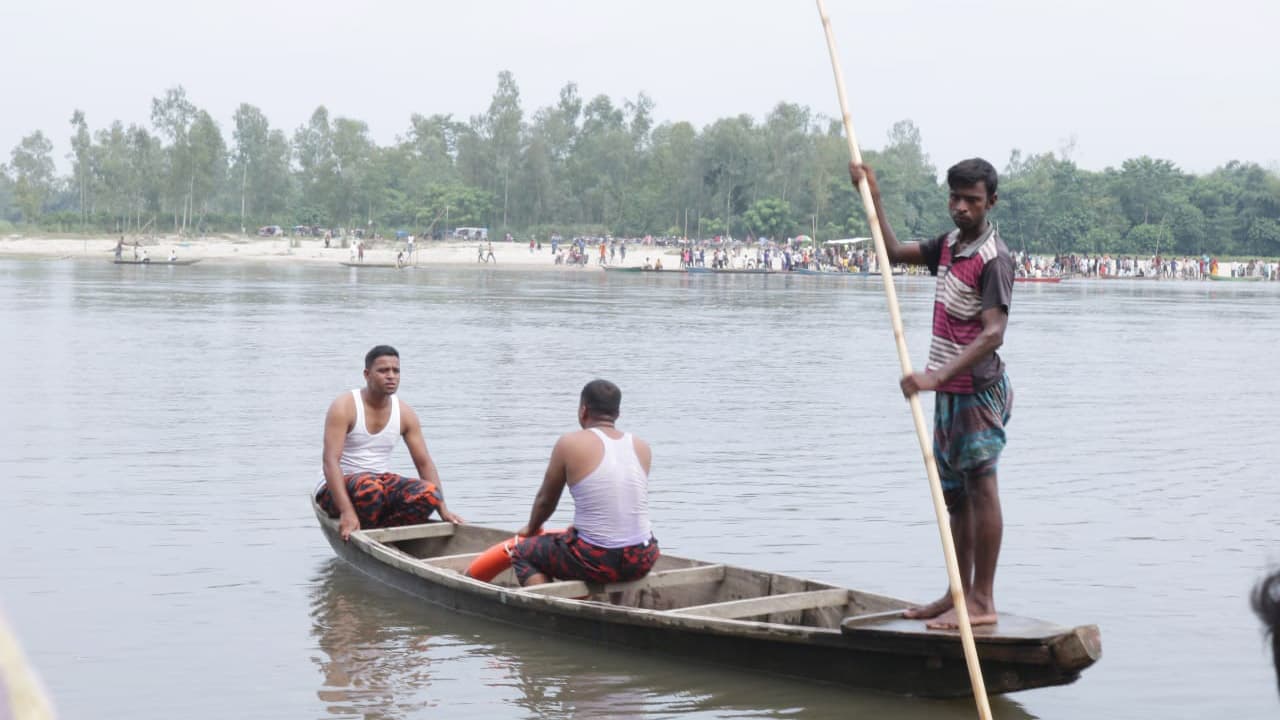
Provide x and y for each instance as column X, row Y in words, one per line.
column 1264, row 237
column 172, row 116
column 208, row 165
column 317, row 166
column 769, row 217
column 31, row 162
column 81, row 154
column 260, row 164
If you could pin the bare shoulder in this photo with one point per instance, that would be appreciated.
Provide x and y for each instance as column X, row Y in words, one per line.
column 643, row 451
column 343, row 406
column 408, row 418
column 574, row 439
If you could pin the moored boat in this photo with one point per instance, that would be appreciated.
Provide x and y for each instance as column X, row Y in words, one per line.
column 378, row 265
column 725, row 615
column 192, row 261
column 1046, row 279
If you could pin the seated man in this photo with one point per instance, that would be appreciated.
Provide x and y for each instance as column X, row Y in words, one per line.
column 360, row 431
column 607, row 472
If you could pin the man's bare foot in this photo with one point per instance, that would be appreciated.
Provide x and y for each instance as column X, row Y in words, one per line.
column 932, row 610
column 979, row 614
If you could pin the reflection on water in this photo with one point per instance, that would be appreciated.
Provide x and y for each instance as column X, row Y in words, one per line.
column 388, row 655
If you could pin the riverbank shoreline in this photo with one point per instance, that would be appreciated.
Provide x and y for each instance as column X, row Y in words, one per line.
column 225, row 249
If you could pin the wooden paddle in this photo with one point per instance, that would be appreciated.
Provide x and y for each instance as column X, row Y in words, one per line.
column 917, row 414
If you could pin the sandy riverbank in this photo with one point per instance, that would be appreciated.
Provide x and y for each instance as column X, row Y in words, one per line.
column 221, row 249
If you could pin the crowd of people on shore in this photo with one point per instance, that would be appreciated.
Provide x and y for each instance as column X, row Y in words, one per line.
column 716, row 253
column 1151, row 268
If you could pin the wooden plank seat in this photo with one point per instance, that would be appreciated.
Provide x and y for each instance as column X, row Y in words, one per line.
column 769, row 604
column 409, row 532
column 459, row 562
column 654, row 580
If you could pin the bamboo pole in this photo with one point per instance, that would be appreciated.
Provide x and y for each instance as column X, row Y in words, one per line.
column 917, row 414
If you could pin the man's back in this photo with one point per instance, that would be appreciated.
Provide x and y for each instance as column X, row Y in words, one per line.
column 608, row 475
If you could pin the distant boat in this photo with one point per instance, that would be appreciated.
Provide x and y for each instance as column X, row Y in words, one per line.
column 1227, row 278
column 156, row 262
column 383, row 265
column 1053, row 279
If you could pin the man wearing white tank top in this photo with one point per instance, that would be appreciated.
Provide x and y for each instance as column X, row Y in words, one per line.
column 360, row 431
column 607, row 473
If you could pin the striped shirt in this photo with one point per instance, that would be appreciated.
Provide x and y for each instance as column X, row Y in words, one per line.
column 976, row 278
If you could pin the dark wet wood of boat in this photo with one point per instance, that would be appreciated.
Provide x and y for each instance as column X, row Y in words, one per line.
column 726, row 615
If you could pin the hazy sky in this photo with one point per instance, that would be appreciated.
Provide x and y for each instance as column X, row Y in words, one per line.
column 1195, row 82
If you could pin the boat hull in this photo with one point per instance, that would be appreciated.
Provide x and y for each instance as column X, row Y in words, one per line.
column 157, row 263
column 864, row 656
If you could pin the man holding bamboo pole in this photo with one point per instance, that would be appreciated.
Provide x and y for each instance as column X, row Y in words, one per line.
column 973, row 397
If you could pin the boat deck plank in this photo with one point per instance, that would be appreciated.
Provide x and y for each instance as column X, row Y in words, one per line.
column 409, row 532
column 652, row 581
column 769, row 604
column 1010, row 628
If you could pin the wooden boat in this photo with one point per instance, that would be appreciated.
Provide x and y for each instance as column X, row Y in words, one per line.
column 165, row 263
column 725, row 615
column 1228, row 278
column 644, row 269
column 382, row 265
column 1047, row 279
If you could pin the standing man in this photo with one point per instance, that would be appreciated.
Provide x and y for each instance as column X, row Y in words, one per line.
column 973, row 398
column 489, row 256
column 607, row 472
column 360, row 431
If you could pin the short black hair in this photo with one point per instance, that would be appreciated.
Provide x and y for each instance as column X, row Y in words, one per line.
column 1266, row 602
column 602, row 399
column 377, row 352
column 971, row 172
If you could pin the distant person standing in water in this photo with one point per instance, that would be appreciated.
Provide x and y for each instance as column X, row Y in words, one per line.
column 361, row 430
column 972, row 395
column 120, row 249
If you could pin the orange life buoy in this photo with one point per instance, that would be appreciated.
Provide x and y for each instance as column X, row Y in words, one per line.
column 497, row 558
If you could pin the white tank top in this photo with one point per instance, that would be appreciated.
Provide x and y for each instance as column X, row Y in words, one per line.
column 611, row 504
column 362, row 452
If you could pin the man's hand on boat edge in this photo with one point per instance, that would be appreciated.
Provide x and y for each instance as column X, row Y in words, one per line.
column 348, row 523
column 448, row 515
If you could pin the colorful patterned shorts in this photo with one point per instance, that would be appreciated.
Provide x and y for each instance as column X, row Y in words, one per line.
column 565, row 556
column 968, row 433
column 386, row 499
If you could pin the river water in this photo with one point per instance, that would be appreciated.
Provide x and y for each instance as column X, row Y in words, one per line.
column 159, row 558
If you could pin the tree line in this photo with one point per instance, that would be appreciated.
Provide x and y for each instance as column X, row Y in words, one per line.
column 600, row 166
